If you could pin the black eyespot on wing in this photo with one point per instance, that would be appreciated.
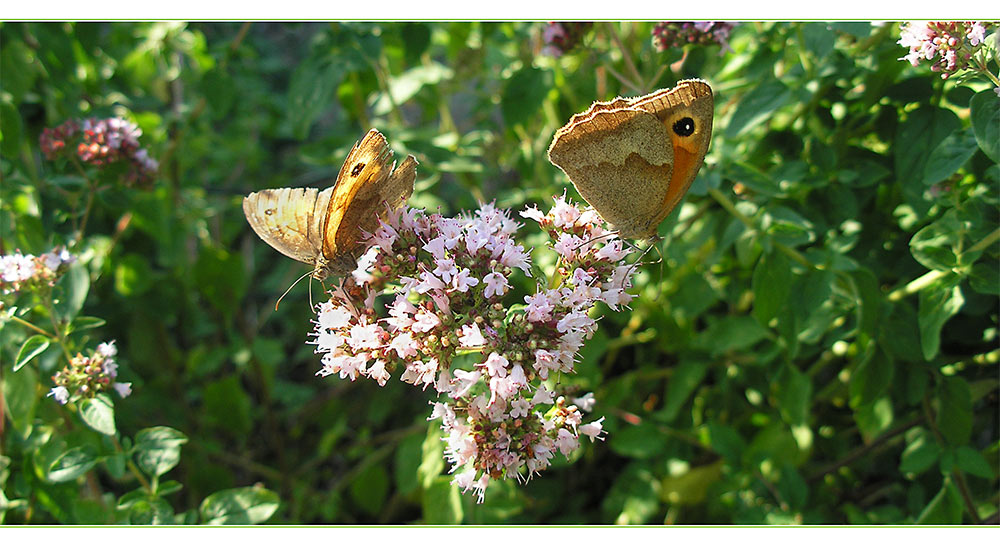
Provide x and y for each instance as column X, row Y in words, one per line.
column 269, row 212
column 357, row 168
column 684, row 127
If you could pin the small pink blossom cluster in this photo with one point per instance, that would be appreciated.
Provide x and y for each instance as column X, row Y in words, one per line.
column 561, row 37
column 101, row 142
column 88, row 376
column 948, row 45
column 675, row 34
column 496, row 366
column 28, row 272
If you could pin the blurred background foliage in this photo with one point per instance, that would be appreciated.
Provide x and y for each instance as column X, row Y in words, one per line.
column 818, row 344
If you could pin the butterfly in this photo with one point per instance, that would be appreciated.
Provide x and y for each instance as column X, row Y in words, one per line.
column 323, row 229
column 633, row 159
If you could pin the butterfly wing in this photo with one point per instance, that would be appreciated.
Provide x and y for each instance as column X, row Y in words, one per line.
column 366, row 182
column 290, row 220
column 621, row 162
column 686, row 110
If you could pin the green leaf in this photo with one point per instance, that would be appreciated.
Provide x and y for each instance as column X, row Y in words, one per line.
column 954, row 416
column 20, row 393
column 369, row 488
column 731, row 334
column 757, row 106
column 685, row 378
column 871, row 379
column 634, row 497
column 221, row 277
column 99, row 414
column 949, row 156
column 920, row 453
column 11, row 128
column 771, row 285
column 937, row 304
column 74, row 285
column 973, row 462
column 403, row 87
column 84, row 322
column 874, row 417
column 133, row 275
column 793, row 391
column 936, row 245
column 158, row 449
column 985, row 277
column 407, row 463
column 311, row 92
column 247, row 505
column 985, row 113
column 944, row 508
column 432, row 460
column 71, row 464
column 819, row 39
column 30, row 349
column 869, row 301
column 441, row 502
column 641, row 441
column 726, row 442
column 918, row 136
column 523, row 94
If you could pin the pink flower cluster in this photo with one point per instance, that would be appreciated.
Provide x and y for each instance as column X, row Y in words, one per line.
column 24, row 271
column 88, row 376
column 101, row 142
column 495, row 366
column 948, row 45
column 561, row 38
column 674, row 34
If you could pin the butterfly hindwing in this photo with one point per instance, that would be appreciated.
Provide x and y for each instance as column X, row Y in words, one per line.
column 633, row 159
column 289, row 219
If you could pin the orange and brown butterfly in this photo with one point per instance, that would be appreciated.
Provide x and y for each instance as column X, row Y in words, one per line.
column 324, row 228
column 633, row 159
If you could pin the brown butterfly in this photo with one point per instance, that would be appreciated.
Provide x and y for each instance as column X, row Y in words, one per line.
column 323, row 229
column 633, row 159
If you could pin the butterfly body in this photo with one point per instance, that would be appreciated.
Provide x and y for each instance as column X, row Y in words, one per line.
column 323, row 228
column 633, row 159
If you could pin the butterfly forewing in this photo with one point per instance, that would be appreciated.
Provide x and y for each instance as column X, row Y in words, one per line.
column 323, row 229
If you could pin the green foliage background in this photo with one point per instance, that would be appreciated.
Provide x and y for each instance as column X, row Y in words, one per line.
column 819, row 344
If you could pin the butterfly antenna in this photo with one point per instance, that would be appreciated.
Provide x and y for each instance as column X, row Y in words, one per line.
column 290, row 288
column 598, row 238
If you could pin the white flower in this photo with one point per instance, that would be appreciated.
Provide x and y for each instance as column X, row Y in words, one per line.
column 124, row 389
column 60, row 394
column 593, row 429
column 471, row 336
column 586, row 402
column 496, row 285
column 107, row 349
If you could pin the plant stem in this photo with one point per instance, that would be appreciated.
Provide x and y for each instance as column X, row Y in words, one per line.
column 626, row 54
column 32, row 326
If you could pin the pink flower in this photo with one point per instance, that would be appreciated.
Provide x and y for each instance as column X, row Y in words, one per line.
column 471, row 336
column 593, row 429
column 364, row 337
column 436, row 247
column 539, row 308
column 445, row 267
column 463, row 280
column 496, row 285
column 425, row 321
column 428, row 282
column 404, row 345
column 496, row 365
